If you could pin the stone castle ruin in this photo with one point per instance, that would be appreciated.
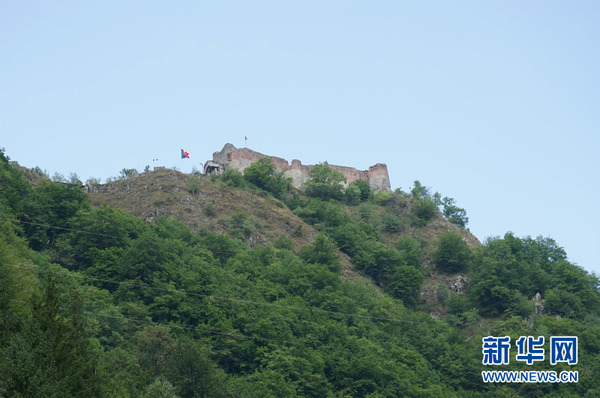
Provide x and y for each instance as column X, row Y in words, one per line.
column 240, row 158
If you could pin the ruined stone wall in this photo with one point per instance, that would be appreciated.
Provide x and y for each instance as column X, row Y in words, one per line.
column 240, row 158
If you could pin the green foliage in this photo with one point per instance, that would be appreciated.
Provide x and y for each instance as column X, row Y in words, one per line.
column 283, row 243
column 126, row 173
column 442, row 293
column 50, row 355
column 160, row 388
column 133, row 309
column 242, row 226
column 41, row 173
column 53, row 204
column 508, row 272
column 411, row 251
column 405, row 283
column 193, row 184
column 456, row 215
column 419, row 191
column 391, row 223
column 262, row 173
column 365, row 189
column 324, row 182
column 208, row 208
column 564, row 303
column 382, row 198
column 352, row 195
column 452, row 254
column 233, row 178
column 424, row 209
column 321, row 251
column 357, row 191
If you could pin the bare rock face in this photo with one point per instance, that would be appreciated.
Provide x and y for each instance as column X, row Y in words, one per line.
column 239, row 158
column 459, row 283
column 539, row 303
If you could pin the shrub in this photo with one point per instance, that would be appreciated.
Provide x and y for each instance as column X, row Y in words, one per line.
column 321, row 251
column 452, row 254
column 391, row 223
column 382, row 198
column 325, row 182
column 283, row 243
column 208, row 208
column 365, row 189
column 405, row 283
column 352, row 195
column 193, row 184
column 419, row 191
column 262, row 173
column 424, row 209
column 411, row 251
column 233, row 178
column 241, row 225
column 456, row 215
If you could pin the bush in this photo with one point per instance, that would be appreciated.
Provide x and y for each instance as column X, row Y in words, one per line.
column 262, row 173
column 391, row 223
column 352, row 195
column 456, row 215
column 363, row 187
column 411, row 251
column 321, row 251
column 424, row 209
column 283, row 243
column 405, row 283
column 233, row 178
column 382, row 198
column 241, row 226
column 193, row 184
column 325, row 182
column 452, row 254
column 208, row 208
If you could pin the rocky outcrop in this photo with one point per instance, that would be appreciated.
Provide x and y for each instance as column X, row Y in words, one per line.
column 240, row 158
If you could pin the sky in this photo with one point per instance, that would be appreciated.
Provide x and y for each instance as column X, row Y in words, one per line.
column 493, row 103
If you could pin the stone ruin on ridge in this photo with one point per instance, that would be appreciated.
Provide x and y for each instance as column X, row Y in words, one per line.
column 240, row 158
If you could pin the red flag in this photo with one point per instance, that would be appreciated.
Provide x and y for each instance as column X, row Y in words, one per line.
column 185, row 154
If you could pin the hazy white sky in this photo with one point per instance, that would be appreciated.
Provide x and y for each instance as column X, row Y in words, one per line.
column 493, row 103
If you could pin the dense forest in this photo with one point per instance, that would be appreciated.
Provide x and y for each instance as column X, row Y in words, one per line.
column 357, row 299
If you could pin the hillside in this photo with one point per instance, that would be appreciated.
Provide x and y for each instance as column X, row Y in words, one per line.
column 167, row 192
column 210, row 206
column 239, row 285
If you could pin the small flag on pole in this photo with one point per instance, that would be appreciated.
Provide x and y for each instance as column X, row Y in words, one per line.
column 185, row 154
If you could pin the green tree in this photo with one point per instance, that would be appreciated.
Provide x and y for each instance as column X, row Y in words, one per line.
column 324, row 182
column 126, row 173
column 321, row 251
column 193, row 184
column 263, row 174
column 424, row 209
column 51, row 355
column 405, row 283
column 452, row 254
column 233, row 178
column 456, row 215
column 419, row 190
column 352, row 195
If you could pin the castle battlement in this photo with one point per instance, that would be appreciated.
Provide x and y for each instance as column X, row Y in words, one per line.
column 240, row 158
